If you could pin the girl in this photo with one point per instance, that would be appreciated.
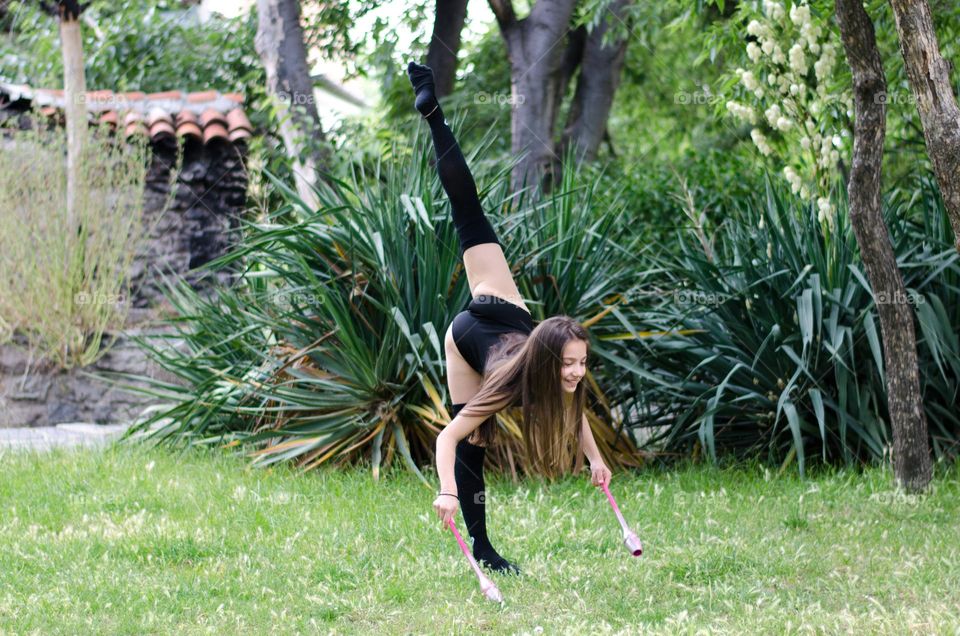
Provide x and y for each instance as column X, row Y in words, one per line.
column 496, row 357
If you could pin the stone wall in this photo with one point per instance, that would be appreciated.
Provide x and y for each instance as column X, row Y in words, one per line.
column 35, row 395
column 199, row 221
column 197, row 227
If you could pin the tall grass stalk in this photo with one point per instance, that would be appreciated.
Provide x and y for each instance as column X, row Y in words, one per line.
column 62, row 288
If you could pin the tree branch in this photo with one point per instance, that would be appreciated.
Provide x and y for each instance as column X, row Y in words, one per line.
column 503, row 11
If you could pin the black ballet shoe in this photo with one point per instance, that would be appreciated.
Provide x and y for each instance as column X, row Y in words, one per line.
column 424, row 87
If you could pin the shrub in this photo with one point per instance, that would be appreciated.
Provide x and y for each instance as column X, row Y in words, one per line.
column 329, row 348
column 63, row 287
column 782, row 350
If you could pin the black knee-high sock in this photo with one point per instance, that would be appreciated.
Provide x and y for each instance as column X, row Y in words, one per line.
column 473, row 227
column 468, row 471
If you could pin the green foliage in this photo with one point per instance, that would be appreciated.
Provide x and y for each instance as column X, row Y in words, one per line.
column 330, row 344
column 669, row 86
column 146, row 46
column 654, row 195
column 782, row 351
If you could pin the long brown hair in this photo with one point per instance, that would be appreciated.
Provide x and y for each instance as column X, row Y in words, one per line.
column 526, row 369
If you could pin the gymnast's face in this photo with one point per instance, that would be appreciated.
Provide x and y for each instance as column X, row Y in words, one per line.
column 573, row 364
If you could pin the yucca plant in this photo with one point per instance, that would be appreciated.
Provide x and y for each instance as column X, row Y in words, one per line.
column 781, row 351
column 328, row 348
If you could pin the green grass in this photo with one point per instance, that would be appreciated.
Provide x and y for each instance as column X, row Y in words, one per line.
column 137, row 541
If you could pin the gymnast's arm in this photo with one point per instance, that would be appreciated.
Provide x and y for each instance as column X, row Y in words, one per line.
column 587, row 443
column 460, row 427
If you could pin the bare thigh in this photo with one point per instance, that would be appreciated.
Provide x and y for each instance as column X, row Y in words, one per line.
column 462, row 380
column 489, row 273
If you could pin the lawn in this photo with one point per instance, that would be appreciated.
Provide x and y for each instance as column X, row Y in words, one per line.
column 137, row 541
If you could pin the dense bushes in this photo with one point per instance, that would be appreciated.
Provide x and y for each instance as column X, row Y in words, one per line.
column 752, row 330
column 783, row 352
column 329, row 346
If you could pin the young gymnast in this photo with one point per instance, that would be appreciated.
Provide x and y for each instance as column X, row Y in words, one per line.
column 497, row 358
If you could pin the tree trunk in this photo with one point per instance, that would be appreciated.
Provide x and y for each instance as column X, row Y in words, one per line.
column 445, row 43
column 75, row 108
column 929, row 76
column 572, row 58
column 911, row 454
column 587, row 119
column 279, row 42
column 535, row 46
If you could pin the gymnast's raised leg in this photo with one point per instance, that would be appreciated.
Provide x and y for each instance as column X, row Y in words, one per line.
column 486, row 267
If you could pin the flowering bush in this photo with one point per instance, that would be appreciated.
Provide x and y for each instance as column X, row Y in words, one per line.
column 797, row 112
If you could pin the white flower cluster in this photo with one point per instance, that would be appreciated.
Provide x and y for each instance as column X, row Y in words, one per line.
column 825, row 212
column 750, row 82
column 798, row 61
column 824, row 66
column 741, row 112
column 827, row 147
column 797, row 186
column 793, row 115
column 773, row 10
column 776, row 118
column 761, row 142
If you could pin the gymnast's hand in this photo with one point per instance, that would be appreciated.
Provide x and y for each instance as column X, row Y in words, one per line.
column 600, row 474
column 446, row 507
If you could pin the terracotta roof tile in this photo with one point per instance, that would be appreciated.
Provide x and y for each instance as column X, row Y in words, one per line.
column 109, row 118
column 205, row 115
column 238, row 125
column 165, row 95
column 158, row 114
column 133, row 124
column 159, row 122
column 212, row 115
column 214, row 130
column 161, row 127
column 187, row 125
column 205, row 96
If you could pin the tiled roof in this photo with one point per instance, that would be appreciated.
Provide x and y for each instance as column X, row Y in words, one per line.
column 204, row 116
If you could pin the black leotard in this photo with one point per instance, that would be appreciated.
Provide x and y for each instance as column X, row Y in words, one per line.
column 478, row 328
